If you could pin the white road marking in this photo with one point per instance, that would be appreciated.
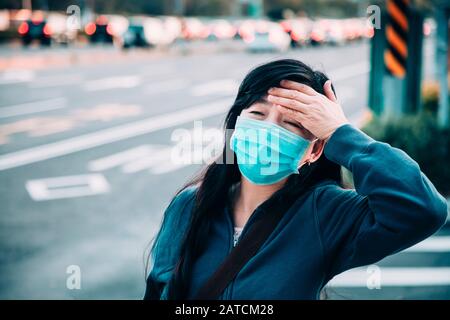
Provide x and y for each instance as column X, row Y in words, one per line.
column 161, row 159
column 350, row 71
column 432, row 244
column 345, row 94
column 156, row 159
column 394, row 277
column 221, row 86
column 164, row 168
column 32, row 107
column 114, row 134
column 112, row 83
column 67, row 187
column 157, row 70
column 16, row 76
column 165, row 86
column 56, row 81
column 120, row 158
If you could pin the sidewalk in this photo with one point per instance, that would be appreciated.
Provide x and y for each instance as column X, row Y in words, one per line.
column 40, row 58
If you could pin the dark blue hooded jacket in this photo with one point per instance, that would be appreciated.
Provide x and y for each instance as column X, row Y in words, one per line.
column 323, row 234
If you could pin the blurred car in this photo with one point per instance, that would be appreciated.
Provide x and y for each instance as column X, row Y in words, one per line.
column 221, row 29
column 61, row 31
column 269, row 38
column 334, row 32
column 134, row 36
column 318, row 33
column 100, row 31
column 194, row 29
column 299, row 29
column 35, row 30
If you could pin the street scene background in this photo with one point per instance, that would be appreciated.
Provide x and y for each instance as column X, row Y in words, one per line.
column 86, row 124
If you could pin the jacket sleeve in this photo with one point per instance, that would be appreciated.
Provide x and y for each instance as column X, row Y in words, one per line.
column 393, row 206
column 165, row 251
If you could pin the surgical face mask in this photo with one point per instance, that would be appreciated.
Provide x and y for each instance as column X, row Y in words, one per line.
column 266, row 153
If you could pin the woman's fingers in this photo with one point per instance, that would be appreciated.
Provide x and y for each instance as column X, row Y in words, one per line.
column 288, row 103
column 291, row 94
column 329, row 91
column 297, row 116
column 288, row 84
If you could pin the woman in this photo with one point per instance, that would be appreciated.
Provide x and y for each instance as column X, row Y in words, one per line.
column 325, row 230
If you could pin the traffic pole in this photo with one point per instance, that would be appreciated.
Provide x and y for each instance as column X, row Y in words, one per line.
column 395, row 57
column 442, row 17
column 412, row 103
column 377, row 69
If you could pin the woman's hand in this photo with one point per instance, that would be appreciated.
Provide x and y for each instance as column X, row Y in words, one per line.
column 319, row 114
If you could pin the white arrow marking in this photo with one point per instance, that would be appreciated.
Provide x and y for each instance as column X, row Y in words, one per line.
column 67, row 187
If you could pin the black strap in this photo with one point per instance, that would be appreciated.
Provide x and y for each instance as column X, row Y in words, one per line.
column 246, row 248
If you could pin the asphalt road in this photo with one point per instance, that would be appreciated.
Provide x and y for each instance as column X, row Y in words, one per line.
column 86, row 174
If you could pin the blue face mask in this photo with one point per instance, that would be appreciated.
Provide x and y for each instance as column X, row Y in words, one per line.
column 266, row 153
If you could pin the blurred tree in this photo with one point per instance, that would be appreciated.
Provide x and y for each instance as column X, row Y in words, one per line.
column 273, row 8
column 207, row 7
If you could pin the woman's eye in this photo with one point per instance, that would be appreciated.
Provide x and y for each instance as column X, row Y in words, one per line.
column 257, row 112
column 294, row 125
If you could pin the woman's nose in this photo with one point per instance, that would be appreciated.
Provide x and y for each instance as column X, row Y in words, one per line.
column 274, row 115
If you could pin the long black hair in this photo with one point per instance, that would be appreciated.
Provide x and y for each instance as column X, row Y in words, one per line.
column 216, row 179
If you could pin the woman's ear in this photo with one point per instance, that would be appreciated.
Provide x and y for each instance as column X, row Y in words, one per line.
column 314, row 152
column 317, row 150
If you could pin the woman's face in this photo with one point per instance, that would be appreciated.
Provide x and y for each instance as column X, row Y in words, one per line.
column 266, row 111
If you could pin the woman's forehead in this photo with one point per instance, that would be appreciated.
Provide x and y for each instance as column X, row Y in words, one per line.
column 263, row 101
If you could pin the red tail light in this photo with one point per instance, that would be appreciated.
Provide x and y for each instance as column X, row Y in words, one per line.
column 90, row 28
column 109, row 30
column 286, row 26
column 23, row 28
column 47, row 31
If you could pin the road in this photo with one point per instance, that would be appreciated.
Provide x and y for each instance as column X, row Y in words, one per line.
column 86, row 172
